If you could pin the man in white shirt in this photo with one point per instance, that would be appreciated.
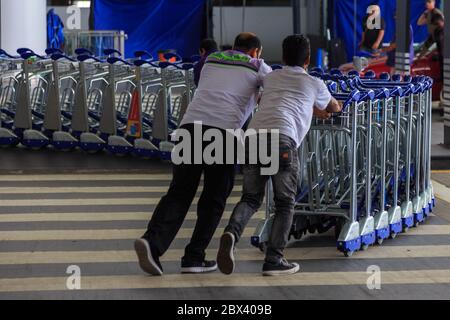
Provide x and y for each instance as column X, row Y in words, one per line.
column 225, row 98
column 290, row 98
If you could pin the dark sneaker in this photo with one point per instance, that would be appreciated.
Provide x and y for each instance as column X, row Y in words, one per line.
column 280, row 269
column 225, row 256
column 198, row 267
column 147, row 260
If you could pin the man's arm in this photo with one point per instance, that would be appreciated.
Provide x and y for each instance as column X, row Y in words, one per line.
column 333, row 106
column 423, row 20
column 380, row 38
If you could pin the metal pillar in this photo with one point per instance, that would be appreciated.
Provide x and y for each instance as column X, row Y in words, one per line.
column 402, row 56
column 296, row 16
column 446, row 89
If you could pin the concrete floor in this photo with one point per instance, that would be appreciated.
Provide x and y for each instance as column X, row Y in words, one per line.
column 89, row 213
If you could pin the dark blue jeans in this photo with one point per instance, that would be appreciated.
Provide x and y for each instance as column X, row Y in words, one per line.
column 285, row 189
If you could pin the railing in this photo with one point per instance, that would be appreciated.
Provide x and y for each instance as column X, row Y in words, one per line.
column 95, row 41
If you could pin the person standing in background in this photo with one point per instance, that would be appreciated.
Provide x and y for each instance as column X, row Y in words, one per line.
column 427, row 18
column 207, row 46
column 373, row 33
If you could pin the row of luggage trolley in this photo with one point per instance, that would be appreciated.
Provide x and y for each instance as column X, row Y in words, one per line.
column 93, row 103
column 366, row 171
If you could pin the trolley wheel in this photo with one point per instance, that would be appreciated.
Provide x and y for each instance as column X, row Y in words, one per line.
column 348, row 254
column 416, row 224
column 380, row 241
column 364, row 247
column 262, row 247
column 393, row 235
column 405, row 229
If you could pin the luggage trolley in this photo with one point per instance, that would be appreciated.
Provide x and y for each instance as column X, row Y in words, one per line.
column 32, row 98
column 362, row 172
column 9, row 68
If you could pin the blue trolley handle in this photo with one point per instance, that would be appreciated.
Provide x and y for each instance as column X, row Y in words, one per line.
column 171, row 55
column 113, row 60
column 84, row 57
column 50, row 51
column 6, row 54
column 83, row 51
column 59, row 56
column 111, row 52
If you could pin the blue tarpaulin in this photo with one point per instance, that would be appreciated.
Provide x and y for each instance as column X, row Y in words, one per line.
column 153, row 25
column 343, row 12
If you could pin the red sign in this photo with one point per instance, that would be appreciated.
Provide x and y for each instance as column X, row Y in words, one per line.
column 134, row 128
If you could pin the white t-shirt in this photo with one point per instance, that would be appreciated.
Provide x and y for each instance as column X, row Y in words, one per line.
column 228, row 90
column 289, row 97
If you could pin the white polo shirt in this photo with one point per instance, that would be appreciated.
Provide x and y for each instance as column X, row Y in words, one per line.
column 287, row 104
column 228, row 90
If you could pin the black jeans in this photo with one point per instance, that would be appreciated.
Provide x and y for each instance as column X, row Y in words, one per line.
column 285, row 189
column 171, row 211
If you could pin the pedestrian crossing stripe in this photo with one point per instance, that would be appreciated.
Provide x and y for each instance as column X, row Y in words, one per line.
column 217, row 280
column 97, row 216
column 252, row 254
column 441, row 192
column 92, row 202
column 184, row 233
column 83, row 190
column 100, row 234
column 89, row 177
column 85, row 177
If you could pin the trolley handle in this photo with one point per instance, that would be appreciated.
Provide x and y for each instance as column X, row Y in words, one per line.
column 332, row 87
column 396, row 92
column 83, row 51
column 6, row 54
column 336, row 72
column 354, row 96
column 59, row 56
column 370, row 74
column 184, row 66
column 353, row 73
column 382, row 94
column 113, row 60
column 50, row 51
column 385, row 76
column 171, row 55
column 367, row 95
column 141, row 62
column 85, row 57
column 110, row 52
column 142, row 53
column 28, row 54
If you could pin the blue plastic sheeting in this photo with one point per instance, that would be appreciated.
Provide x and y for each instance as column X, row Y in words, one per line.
column 343, row 12
column 55, row 34
column 153, row 25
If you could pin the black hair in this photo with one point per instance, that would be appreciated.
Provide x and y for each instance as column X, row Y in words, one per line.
column 246, row 42
column 208, row 45
column 296, row 50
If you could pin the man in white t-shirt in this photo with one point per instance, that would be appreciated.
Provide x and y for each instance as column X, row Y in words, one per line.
column 226, row 96
column 291, row 97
